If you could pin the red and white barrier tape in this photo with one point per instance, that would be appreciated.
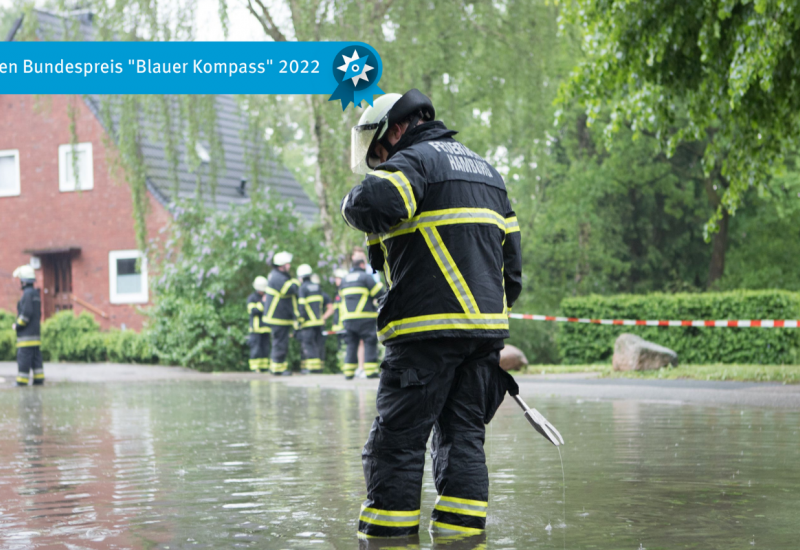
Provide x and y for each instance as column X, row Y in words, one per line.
column 762, row 323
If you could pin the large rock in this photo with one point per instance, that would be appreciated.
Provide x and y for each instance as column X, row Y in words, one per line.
column 632, row 352
column 512, row 358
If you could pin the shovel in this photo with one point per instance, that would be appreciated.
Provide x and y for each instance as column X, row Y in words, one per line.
column 540, row 423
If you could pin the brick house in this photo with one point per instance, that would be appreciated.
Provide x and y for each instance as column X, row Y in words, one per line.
column 80, row 235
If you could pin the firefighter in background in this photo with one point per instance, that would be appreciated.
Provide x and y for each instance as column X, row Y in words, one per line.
column 358, row 311
column 27, row 326
column 259, row 330
column 280, row 310
column 338, row 276
column 442, row 230
column 314, row 311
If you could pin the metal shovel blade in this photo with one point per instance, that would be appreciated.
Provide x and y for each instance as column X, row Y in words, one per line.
column 540, row 423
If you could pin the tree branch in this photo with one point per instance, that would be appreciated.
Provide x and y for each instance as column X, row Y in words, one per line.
column 266, row 20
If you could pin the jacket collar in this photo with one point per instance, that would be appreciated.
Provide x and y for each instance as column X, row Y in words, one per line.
column 428, row 131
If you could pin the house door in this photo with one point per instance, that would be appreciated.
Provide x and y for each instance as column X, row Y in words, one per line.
column 57, row 271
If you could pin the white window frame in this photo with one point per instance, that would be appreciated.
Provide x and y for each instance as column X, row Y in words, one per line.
column 65, row 158
column 14, row 192
column 116, row 298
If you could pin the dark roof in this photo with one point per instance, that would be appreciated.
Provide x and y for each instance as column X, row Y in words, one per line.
column 231, row 128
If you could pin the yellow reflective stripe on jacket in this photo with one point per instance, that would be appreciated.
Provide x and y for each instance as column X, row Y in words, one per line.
column 387, row 272
column 358, row 313
column 375, row 289
column 444, row 321
column 400, row 182
column 255, row 305
column 28, row 343
column 512, row 225
column 21, row 321
column 450, row 270
column 438, row 218
column 287, row 285
column 389, row 518
column 258, row 328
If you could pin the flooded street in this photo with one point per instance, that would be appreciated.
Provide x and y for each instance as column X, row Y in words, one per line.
column 259, row 464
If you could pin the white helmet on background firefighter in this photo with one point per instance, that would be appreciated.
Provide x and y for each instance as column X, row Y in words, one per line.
column 25, row 274
column 282, row 258
column 303, row 270
column 371, row 129
column 260, row 283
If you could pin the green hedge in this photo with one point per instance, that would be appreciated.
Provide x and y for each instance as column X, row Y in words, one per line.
column 584, row 343
column 67, row 337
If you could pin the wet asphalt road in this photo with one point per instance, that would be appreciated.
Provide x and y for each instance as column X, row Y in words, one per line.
column 574, row 386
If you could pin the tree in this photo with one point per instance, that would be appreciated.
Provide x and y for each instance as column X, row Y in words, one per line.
column 719, row 73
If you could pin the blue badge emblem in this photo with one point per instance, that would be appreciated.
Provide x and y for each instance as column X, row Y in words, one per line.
column 357, row 71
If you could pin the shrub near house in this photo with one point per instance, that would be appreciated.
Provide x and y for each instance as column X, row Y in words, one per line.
column 67, row 337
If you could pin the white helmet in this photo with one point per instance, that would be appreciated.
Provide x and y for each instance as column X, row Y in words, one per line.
column 260, row 283
column 385, row 111
column 25, row 273
column 340, row 273
column 303, row 270
column 282, row 258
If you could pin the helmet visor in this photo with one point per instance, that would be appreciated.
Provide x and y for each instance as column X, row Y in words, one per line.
column 360, row 140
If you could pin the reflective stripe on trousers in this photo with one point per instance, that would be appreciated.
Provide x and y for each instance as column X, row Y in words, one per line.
column 387, row 523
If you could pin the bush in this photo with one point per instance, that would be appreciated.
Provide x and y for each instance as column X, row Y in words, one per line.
column 67, row 337
column 199, row 319
column 8, row 345
column 584, row 343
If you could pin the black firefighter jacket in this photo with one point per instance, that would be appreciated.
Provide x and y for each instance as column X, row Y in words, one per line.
column 29, row 315
column 255, row 308
column 280, row 305
column 313, row 302
column 359, row 290
column 440, row 226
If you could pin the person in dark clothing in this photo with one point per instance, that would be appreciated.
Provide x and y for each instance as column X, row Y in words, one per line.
column 259, row 338
column 441, row 228
column 28, row 329
column 281, row 313
column 358, row 312
column 314, row 311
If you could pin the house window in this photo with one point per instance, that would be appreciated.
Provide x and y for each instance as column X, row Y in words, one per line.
column 9, row 173
column 127, row 277
column 70, row 157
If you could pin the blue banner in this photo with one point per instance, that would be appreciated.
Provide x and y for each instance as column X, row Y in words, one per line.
column 348, row 71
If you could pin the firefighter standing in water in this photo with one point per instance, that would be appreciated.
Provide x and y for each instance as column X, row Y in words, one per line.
column 314, row 311
column 259, row 331
column 28, row 329
column 280, row 310
column 359, row 292
column 442, row 230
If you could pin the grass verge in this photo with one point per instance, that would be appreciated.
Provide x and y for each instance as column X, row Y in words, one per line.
column 786, row 374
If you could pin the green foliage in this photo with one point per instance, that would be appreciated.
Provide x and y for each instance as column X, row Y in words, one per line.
column 720, row 71
column 199, row 319
column 67, row 337
column 589, row 343
column 8, row 345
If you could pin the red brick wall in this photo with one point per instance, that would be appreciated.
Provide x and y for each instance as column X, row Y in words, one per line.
column 97, row 221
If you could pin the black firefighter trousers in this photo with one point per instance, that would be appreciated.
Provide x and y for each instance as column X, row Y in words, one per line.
column 453, row 386
column 357, row 330
column 29, row 359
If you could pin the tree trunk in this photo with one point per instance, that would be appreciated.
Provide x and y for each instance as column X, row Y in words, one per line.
column 320, row 187
column 719, row 245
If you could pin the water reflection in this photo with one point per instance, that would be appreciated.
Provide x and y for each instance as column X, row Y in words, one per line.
column 237, row 465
